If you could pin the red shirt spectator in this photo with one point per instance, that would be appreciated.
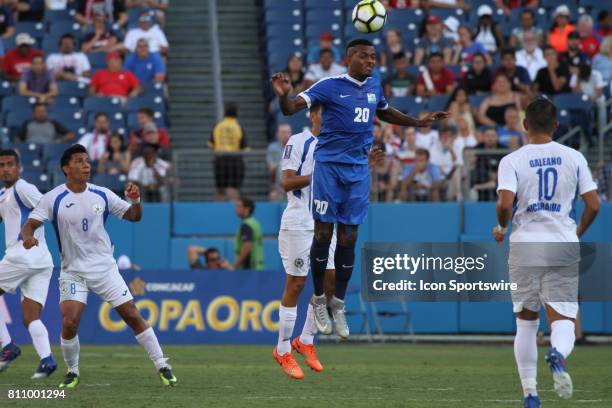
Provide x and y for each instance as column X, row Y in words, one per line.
column 442, row 78
column 589, row 42
column 19, row 60
column 114, row 81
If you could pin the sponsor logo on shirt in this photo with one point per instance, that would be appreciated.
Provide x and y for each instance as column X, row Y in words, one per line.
column 98, row 209
column 371, row 98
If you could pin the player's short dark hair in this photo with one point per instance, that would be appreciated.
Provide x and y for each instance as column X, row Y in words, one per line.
column 37, row 105
column 326, row 51
column 584, row 72
column 71, row 151
column 210, row 251
column 248, row 203
column 478, row 54
column 67, row 35
column 508, row 51
column 528, row 11
column 146, row 111
column 231, row 109
column 541, row 115
column 435, row 54
column 357, row 42
column 9, row 152
column 100, row 114
column 422, row 152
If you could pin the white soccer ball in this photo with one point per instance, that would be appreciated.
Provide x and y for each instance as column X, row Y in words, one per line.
column 369, row 16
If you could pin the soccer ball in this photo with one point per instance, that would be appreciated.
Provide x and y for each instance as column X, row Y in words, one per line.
column 369, row 16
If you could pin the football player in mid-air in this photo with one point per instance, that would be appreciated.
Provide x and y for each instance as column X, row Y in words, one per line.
column 537, row 186
column 29, row 271
column 341, row 177
column 78, row 211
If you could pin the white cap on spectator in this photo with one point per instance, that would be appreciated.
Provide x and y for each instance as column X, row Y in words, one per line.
column 484, row 10
column 24, row 39
column 562, row 10
column 451, row 23
column 124, row 262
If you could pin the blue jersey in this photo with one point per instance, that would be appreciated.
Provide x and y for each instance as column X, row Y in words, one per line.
column 349, row 107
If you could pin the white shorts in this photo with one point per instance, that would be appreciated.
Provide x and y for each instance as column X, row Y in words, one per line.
column 34, row 283
column 110, row 286
column 294, row 248
column 555, row 286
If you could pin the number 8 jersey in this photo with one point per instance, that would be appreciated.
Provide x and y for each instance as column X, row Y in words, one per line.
column 78, row 220
column 546, row 178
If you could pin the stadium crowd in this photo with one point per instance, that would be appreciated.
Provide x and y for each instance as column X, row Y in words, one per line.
column 91, row 72
column 482, row 61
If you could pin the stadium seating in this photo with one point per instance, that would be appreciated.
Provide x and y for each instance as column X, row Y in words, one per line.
column 104, row 104
column 114, row 183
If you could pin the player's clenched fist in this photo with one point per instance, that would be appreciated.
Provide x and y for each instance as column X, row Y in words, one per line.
column 132, row 193
column 30, row 242
column 281, row 84
column 433, row 117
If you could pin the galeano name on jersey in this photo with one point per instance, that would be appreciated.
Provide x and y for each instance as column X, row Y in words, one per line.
column 546, row 161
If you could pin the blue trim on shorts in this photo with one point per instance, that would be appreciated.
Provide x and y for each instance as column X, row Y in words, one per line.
column 56, row 205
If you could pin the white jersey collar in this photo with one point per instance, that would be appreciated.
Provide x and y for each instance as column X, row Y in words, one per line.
column 353, row 80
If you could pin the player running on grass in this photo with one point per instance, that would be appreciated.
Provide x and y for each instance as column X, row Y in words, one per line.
column 537, row 186
column 341, row 177
column 30, row 271
column 78, row 211
column 294, row 239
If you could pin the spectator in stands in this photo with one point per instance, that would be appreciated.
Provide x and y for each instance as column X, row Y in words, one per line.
column 493, row 108
column 527, row 24
column 511, row 134
column 477, row 80
column 421, row 180
column 151, row 173
column 508, row 5
column 604, row 180
column 400, row 82
column 212, row 258
column 459, row 107
column 273, row 159
column 68, row 65
column 557, row 36
column 249, row 245
column 41, row 130
column 295, row 72
column 531, row 56
column 589, row 43
column 436, row 79
column 465, row 139
column 433, row 42
column 518, row 76
column 325, row 68
column 403, row 153
column 99, row 38
column 19, row 60
column 56, row 4
column 326, row 42
column 426, row 137
column 442, row 153
column 228, row 141
column 553, row 78
column 574, row 57
column 466, row 48
column 38, row 82
column 116, row 160
column 603, row 61
column 393, row 48
column 114, row 81
column 446, row 4
column 484, row 175
column 590, row 82
column 147, row 132
column 96, row 141
column 488, row 32
column 148, row 31
column 147, row 66
column 7, row 22
column 113, row 10
column 604, row 26
column 451, row 28
column 28, row 10
column 159, row 7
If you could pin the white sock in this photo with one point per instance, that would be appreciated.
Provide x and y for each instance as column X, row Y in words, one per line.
column 70, row 351
column 286, row 322
column 563, row 336
column 526, row 354
column 310, row 328
column 5, row 337
column 40, row 338
column 148, row 340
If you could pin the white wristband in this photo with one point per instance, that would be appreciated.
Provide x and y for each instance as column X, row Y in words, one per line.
column 501, row 229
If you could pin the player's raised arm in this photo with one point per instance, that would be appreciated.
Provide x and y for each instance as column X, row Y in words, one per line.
column 132, row 195
column 395, row 117
column 282, row 87
column 27, row 233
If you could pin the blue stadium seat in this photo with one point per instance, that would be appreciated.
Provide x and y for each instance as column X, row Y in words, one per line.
column 282, row 4
column 6, row 89
column 72, row 121
column 65, row 101
column 158, row 118
column 14, row 120
column 116, row 121
column 38, row 178
column 8, row 44
column 53, row 151
column 24, row 147
column 573, row 102
column 313, row 31
column 323, row 4
column 277, row 61
column 114, row 183
column 590, row 4
column 443, row 14
column 298, row 122
column 30, row 160
column 319, row 16
column 50, row 44
column 401, row 18
column 52, row 165
column 410, row 105
column 35, row 29
column 97, row 60
column 287, row 17
column 156, row 103
column 72, row 89
column 134, row 14
column 52, row 16
column 437, row 103
column 59, row 28
column 15, row 103
column 107, row 105
column 476, row 100
column 288, row 34
column 153, row 89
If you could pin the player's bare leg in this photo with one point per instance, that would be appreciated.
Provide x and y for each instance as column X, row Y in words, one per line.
column 287, row 316
column 40, row 337
column 146, row 338
column 526, row 355
column 344, row 261
column 72, row 311
column 10, row 351
column 319, row 252
column 562, row 338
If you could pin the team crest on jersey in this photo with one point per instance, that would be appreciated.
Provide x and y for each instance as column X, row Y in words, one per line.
column 287, row 153
column 371, row 98
column 299, row 262
column 98, row 209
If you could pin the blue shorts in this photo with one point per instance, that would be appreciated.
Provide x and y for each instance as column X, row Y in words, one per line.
column 340, row 192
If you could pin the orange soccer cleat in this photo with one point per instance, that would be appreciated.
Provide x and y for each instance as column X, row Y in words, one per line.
column 309, row 352
column 289, row 365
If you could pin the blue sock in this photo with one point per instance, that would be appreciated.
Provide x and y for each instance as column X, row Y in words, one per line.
column 344, row 260
column 319, row 252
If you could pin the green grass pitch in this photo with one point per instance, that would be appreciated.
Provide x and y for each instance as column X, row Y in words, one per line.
column 389, row 375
